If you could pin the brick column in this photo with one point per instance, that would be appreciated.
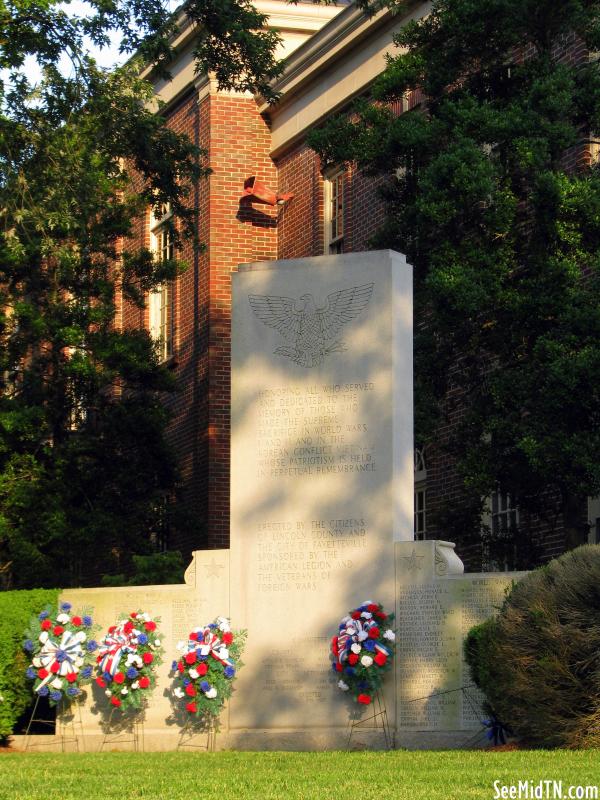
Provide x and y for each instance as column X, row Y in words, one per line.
column 238, row 141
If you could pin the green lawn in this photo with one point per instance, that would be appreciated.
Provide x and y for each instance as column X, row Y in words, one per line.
column 457, row 775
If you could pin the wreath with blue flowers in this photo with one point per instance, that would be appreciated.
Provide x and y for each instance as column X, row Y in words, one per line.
column 207, row 666
column 127, row 659
column 61, row 647
column 363, row 650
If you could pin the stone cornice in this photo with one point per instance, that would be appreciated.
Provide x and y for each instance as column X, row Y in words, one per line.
column 338, row 36
column 333, row 67
column 303, row 18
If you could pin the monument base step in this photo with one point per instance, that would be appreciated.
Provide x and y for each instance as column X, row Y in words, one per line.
column 262, row 741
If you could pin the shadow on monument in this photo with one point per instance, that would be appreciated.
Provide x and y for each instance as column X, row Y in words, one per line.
column 117, row 726
column 196, row 733
column 314, row 476
column 307, row 546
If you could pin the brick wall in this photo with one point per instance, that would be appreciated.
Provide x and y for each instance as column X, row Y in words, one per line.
column 237, row 142
column 301, row 222
column 301, row 232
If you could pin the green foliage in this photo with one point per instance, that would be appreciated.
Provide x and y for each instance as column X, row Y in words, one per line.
column 153, row 569
column 233, row 41
column 504, row 238
column 16, row 610
column 235, row 44
column 478, row 648
column 537, row 661
column 84, row 464
column 83, row 459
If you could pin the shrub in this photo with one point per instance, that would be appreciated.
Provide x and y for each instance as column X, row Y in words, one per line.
column 16, row 610
column 538, row 661
column 150, row 570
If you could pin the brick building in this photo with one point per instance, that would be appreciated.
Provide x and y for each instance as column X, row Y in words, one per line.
column 334, row 53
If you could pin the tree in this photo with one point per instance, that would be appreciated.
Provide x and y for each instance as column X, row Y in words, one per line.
column 84, row 464
column 503, row 231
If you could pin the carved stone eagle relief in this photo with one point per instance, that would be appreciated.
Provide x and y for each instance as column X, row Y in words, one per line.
column 311, row 332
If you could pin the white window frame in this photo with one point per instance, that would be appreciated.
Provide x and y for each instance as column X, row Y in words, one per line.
column 503, row 511
column 498, row 506
column 334, row 216
column 161, row 311
column 420, row 499
column 593, row 512
column 594, row 140
column 594, row 148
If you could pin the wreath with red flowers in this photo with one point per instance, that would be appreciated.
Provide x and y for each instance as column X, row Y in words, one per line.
column 61, row 652
column 206, row 669
column 127, row 659
column 363, row 650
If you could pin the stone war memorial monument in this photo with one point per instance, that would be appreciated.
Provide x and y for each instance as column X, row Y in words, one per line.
column 321, row 520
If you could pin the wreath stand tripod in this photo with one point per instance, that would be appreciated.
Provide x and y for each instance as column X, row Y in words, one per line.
column 68, row 733
column 377, row 721
column 134, row 735
column 191, row 732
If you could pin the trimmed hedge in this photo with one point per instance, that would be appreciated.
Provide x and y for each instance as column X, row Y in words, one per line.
column 538, row 660
column 16, row 610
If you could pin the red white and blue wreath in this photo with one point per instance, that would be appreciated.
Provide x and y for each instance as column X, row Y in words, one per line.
column 207, row 667
column 363, row 650
column 62, row 652
column 127, row 659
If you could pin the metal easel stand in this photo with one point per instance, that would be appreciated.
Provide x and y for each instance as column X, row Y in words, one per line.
column 199, row 734
column 472, row 739
column 477, row 737
column 490, row 734
column 134, row 734
column 377, row 720
column 67, row 735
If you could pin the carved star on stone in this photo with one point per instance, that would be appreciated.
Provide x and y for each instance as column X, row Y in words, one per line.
column 413, row 562
column 212, row 569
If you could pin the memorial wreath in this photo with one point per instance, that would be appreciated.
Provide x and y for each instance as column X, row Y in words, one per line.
column 207, row 666
column 61, row 652
column 127, row 659
column 363, row 650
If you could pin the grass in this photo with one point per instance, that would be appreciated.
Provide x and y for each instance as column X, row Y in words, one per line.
column 400, row 775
